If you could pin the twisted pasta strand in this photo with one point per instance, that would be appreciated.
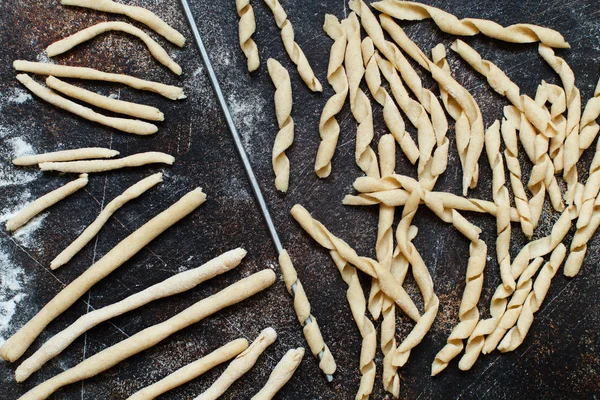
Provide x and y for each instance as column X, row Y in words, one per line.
column 555, row 96
column 292, row 48
column 247, row 26
column 326, row 239
column 588, row 126
column 459, row 103
column 523, row 288
column 580, row 240
column 391, row 114
column 359, row 102
column 511, row 154
column 571, row 153
column 357, row 302
column 311, row 330
column 532, row 304
column 329, row 128
column 518, row 33
column 499, row 302
column 285, row 136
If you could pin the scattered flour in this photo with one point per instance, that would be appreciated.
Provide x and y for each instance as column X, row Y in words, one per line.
column 11, row 175
column 249, row 117
column 11, row 292
column 18, row 96
column 27, row 236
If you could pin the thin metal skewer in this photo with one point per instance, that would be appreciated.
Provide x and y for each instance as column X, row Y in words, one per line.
column 231, row 124
column 238, row 142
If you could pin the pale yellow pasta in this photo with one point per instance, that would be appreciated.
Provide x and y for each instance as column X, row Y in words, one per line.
column 326, row 239
column 247, row 26
column 358, row 307
column 522, row 290
column 514, row 338
column 134, row 126
column 67, row 71
column 92, row 230
column 329, row 129
column 518, row 33
column 555, row 96
column 281, row 374
column 119, row 106
column 422, row 278
column 384, row 250
column 66, row 155
column 391, row 114
column 311, row 330
column 588, row 126
column 137, row 13
column 292, row 48
column 461, row 97
column 590, row 192
column 427, row 139
column 580, row 239
column 572, row 151
column 285, row 136
column 47, row 200
column 360, row 105
column 91, row 166
column 499, row 302
column 468, row 312
column 86, row 34
column 511, row 153
column 241, row 364
column 504, row 86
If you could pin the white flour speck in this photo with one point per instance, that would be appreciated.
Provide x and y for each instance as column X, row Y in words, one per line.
column 11, row 292
column 11, row 175
column 248, row 116
column 20, row 147
column 27, row 235
column 19, row 96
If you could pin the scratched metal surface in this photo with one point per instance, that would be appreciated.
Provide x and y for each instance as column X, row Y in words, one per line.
column 560, row 357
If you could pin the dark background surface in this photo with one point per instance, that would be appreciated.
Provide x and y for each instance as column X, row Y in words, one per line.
column 560, row 356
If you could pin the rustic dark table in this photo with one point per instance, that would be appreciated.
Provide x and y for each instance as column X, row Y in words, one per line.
column 560, row 357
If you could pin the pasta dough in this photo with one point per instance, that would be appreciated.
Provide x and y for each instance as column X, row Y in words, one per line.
column 107, row 103
column 47, row 200
column 86, row 34
column 242, row 363
column 139, row 14
column 326, row 239
column 192, row 370
column 311, row 329
column 92, row 230
column 135, row 160
column 282, row 373
column 154, row 334
column 247, row 27
column 126, row 125
column 518, row 33
column 358, row 307
column 588, row 126
column 16, row 345
column 66, row 155
column 329, row 129
column 66, row 71
column 360, row 105
column 292, row 48
column 285, row 136
column 580, row 239
column 391, row 114
column 176, row 284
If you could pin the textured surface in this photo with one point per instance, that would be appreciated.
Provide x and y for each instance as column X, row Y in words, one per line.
column 559, row 358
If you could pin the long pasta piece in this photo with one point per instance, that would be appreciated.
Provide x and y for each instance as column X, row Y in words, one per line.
column 281, row 374
column 91, row 166
column 125, row 125
column 89, row 33
column 66, row 155
column 518, row 33
column 16, row 345
column 176, row 284
column 153, row 335
column 139, row 14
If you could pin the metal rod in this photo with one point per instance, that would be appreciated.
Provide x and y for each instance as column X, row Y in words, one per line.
column 231, row 124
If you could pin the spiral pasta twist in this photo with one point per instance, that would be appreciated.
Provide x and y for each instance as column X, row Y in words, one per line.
column 329, row 128
column 292, row 48
column 518, row 33
column 588, row 126
column 285, row 136
column 311, row 330
column 247, row 26
column 581, row 237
